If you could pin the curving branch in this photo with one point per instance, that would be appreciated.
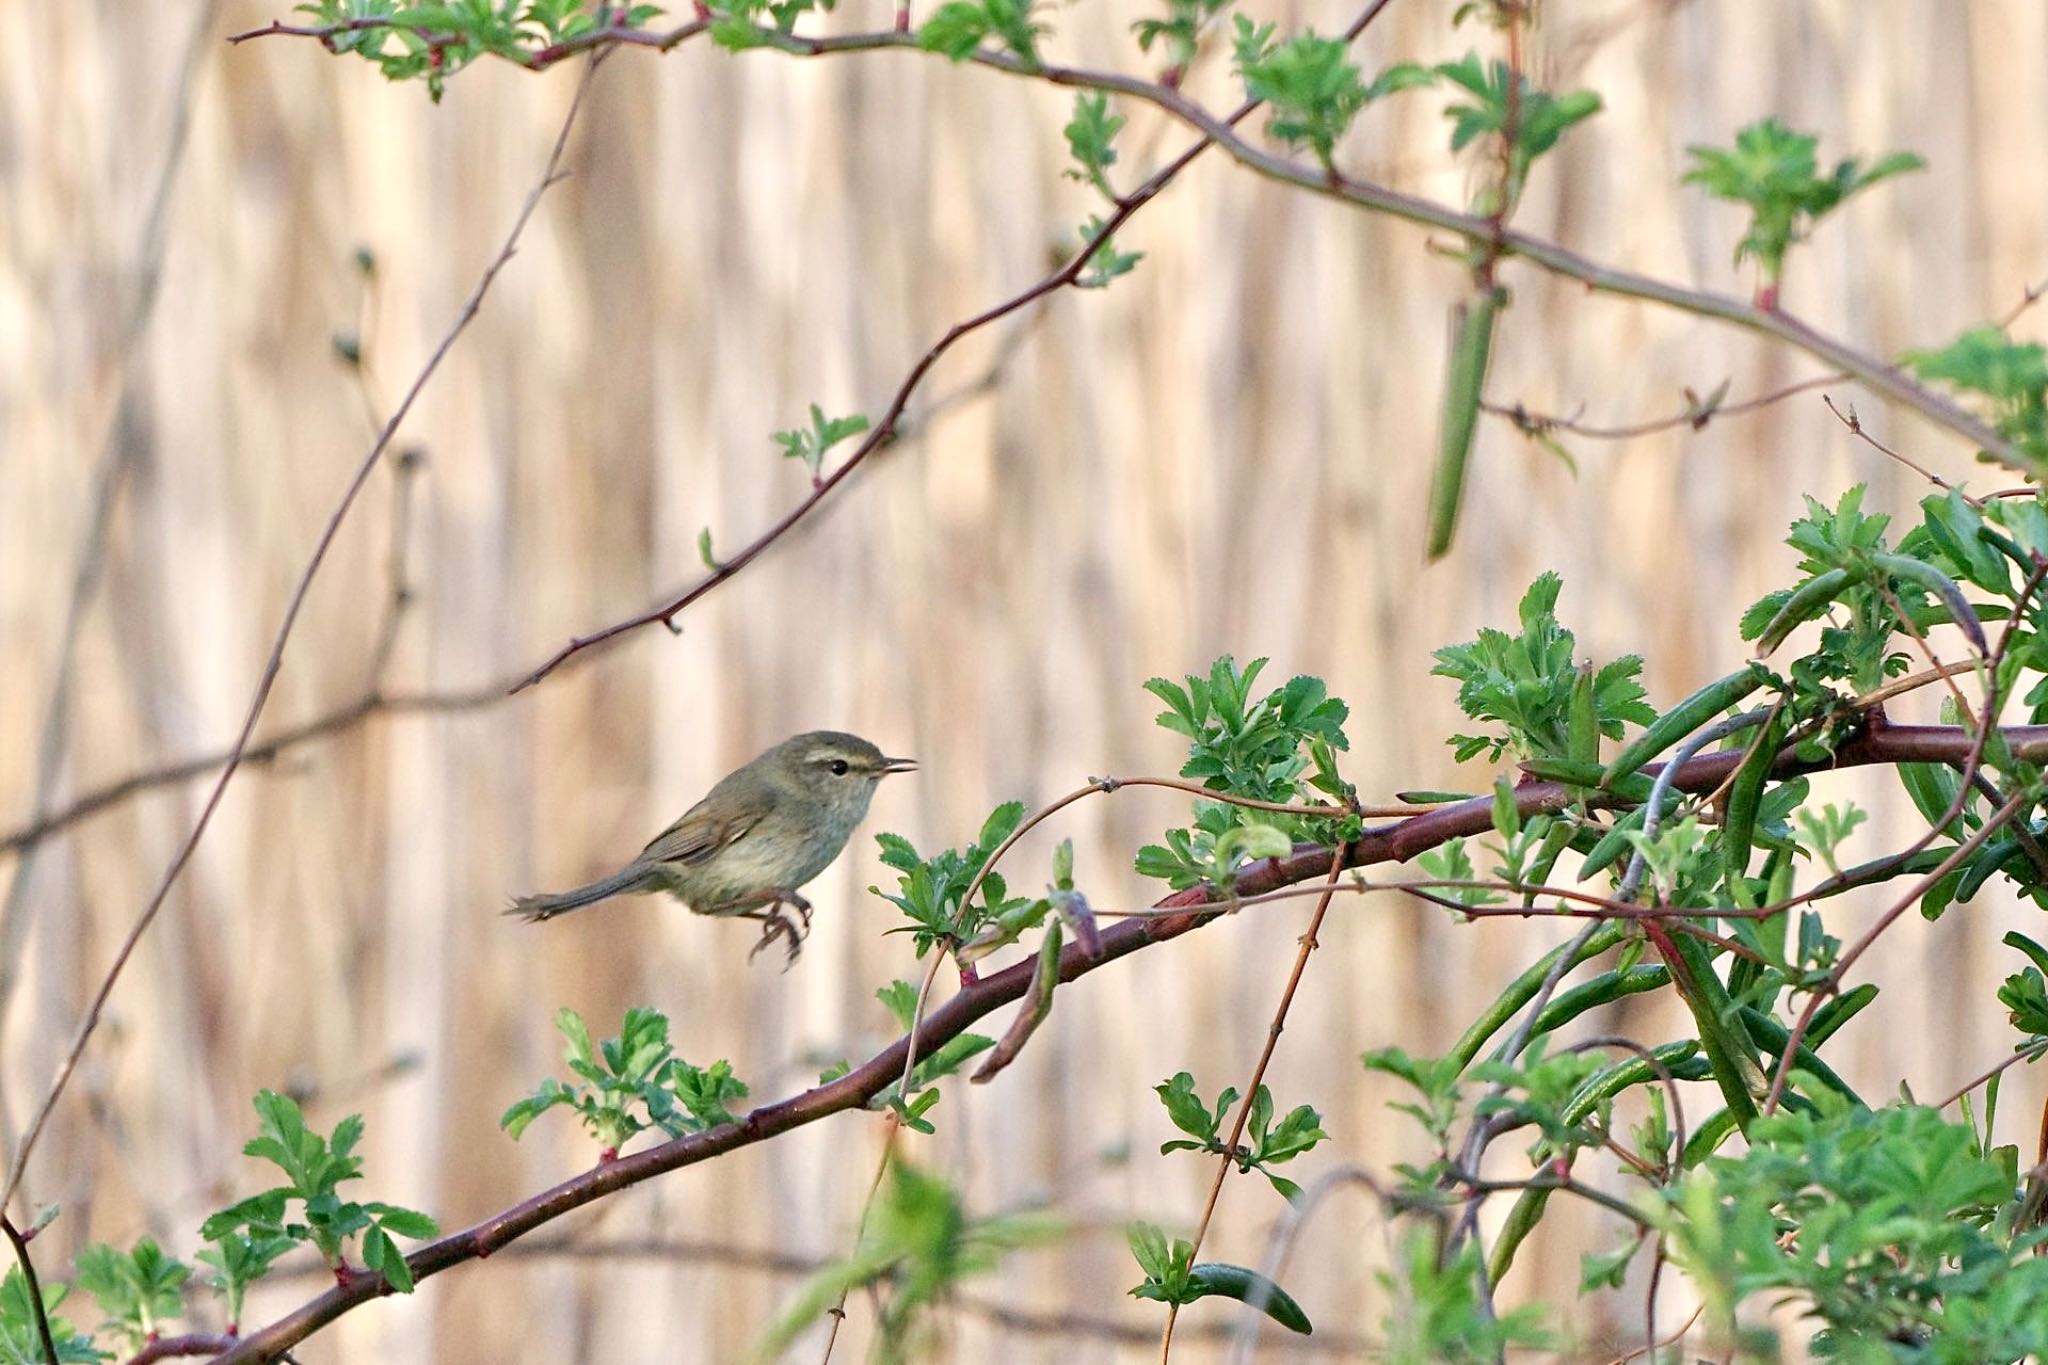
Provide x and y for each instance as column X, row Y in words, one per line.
column 117, row 459
column 342, row 718
column 90, row 1022
column 1878, row 375
column 376, row 701
column 887, row 428
column 1176, row 915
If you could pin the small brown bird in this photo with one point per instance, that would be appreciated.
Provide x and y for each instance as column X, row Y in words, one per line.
column 754, row 840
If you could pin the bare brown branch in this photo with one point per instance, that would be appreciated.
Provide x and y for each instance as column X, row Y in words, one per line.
column 90, row 1022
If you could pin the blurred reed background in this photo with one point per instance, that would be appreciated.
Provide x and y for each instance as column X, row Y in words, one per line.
column 1227, row 451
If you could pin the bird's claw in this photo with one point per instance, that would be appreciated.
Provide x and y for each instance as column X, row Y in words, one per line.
column 775, row 924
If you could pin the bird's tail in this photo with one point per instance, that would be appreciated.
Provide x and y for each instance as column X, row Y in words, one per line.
column 548, row 904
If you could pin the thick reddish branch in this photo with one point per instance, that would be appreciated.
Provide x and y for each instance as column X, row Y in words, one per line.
column 189, row 1344
column 1878, row 743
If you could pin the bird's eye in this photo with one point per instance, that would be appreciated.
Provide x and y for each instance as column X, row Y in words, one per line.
column 838, row 767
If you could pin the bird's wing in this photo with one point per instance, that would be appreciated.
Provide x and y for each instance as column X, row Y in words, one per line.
column 701, row 833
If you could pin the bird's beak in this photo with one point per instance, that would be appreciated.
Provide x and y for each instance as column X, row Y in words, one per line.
column 898, row 765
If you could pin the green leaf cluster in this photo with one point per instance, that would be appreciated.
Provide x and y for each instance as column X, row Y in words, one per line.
column 314, row 1168
column 240, row 1256
column 20, row 1341
column 1091, row 138
column 1525, row 684
column 1549, row 1094
column 1438, row 1102
column 1173, row 1276
column 1774, row 171
column 920, row 1244
column 900, row 999
column 2010, row 378
column 811, row 445
column 1178, row 32
column 1314, row 87
column 959, row 27
column 137, row 1290
column 739, row 25
column 2025, row 993
column 1854, row 579
column 631, row 1083
column 1437, row 1317
column 1450, row 862
column 932, row 891
column 1269, row 1143
column 1280, row 747
column 1893, row 1228
column 434, row 40
column 1500, row 102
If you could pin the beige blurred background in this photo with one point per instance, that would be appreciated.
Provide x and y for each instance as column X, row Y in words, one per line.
column 1227, row 451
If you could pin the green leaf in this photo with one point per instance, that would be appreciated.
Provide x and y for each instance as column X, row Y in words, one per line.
column 1091, row 135
column 959, row 27
column 404, row 1222
column 1696, row 712
column 1248, row 1286
column 900, row 999
column 1311, row 83
column 1773, row 170
column 382, row 1255
column 1185, row 1107
column 811, row 446
column 1606, row 1269
column 2009, row 379
column 1473, row 322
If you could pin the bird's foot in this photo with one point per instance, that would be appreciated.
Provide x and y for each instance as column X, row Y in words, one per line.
column 774, row 925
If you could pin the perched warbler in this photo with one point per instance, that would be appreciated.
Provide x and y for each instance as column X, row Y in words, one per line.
column 759, row 835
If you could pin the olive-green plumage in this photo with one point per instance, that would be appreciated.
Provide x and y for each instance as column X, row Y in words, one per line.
column 755, row 839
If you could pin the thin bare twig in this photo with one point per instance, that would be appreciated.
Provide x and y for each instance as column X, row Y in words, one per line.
column 549, row 176
column 1251, row 1089
column 1698, row 413
column 1672, row 1340
column 117, row 456
column 375, row 701
column 19, row 1241
column 2032, row 1052
column 910, row 1057
column 1280, row 1245
column 885, row 430
column 1856, row 428
column 837, row 1312
column 267, row 750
